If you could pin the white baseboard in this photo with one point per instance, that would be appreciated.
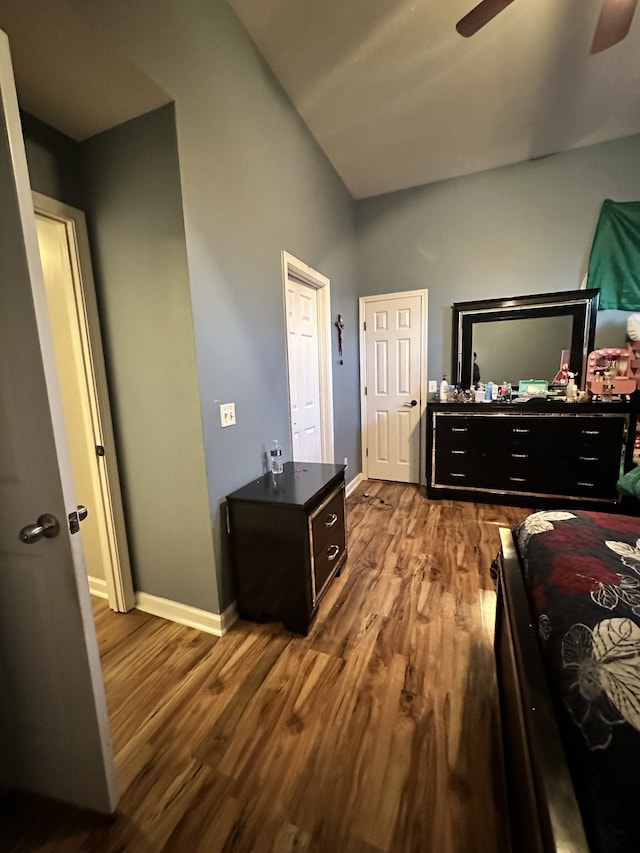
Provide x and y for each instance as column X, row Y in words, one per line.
column 174, row 611
column 98, row 587
column 353, row 484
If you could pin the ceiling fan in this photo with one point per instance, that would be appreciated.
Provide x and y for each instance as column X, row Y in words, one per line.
column 613, row 23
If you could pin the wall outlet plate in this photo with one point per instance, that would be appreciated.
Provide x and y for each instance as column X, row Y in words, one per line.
column 433, row 386
column 227, row 414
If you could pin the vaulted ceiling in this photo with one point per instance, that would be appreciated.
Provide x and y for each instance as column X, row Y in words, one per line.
column 390, row 91
column 396, row 98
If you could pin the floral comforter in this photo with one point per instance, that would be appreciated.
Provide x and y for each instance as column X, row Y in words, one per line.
column 582, row 571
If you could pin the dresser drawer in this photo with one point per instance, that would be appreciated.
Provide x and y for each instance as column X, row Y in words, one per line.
column 455, row 432
column 459, row 451
column 518, row 472
column 598, row 441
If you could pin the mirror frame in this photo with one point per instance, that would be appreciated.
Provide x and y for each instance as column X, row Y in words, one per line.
column 582, row 305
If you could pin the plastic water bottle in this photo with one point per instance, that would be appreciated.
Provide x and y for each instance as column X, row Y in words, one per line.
column 276, row 457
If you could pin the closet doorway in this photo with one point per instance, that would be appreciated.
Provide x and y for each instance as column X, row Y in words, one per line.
column 64, row 253
column 307, row 300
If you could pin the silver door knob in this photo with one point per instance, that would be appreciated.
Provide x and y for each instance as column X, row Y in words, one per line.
column 46, row 525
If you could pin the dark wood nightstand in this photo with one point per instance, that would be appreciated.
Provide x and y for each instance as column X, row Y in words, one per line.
column 288, row 542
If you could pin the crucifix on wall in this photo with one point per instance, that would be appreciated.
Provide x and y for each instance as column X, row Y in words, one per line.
column 340, row 327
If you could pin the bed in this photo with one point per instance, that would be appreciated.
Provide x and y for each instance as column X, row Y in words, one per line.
column 568, row 662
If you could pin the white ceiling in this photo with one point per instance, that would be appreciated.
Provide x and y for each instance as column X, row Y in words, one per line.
column 396, row 98
column 391, row 92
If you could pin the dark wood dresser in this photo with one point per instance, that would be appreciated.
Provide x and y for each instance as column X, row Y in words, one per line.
column 544, row 450
column 288, row 541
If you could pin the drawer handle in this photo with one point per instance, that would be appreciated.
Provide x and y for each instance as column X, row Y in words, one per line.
column 586, row 485
column 459, row 429
column 590, row 432
column 517, row 479
column 459, row 475
column 589, row 458
column 520, row 455
column 458, row 452
column 520, row 430
column 332, row 520
column 331, row 554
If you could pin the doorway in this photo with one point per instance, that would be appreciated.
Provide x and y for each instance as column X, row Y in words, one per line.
column 393, row 346
column 64, row 253
column 307, row 299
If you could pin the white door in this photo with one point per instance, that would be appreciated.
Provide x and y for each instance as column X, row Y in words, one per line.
column 64, row 252
column 304, row 381
column 394, row 346
column 54, row 736
column 307, row 293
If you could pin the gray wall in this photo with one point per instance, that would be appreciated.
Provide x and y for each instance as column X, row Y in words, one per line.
column 127, row 180
column 134, row 206
column 53, row 162
column 512, row 231
column 254, row 182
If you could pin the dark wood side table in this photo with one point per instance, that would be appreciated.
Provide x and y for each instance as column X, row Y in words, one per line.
column 288, row 541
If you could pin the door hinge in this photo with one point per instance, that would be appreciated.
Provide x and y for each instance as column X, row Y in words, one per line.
column 365, row 390
column 364, row 326
column 366, row 452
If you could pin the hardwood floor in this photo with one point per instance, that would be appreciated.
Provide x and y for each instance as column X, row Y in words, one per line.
column 377, row 732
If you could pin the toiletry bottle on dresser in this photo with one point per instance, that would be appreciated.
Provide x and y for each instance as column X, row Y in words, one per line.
column 444, row 390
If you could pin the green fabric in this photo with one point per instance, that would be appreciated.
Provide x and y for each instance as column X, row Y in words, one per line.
column 614, row 263
column 629, row 483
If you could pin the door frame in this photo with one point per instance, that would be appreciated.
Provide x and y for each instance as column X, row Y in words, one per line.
column 305, row 274
column 117, row 568
column 362, row 305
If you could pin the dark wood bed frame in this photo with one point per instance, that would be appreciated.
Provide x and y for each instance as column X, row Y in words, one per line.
column 543, row 811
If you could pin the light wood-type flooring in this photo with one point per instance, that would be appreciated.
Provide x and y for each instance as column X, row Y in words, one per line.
column 376, row 732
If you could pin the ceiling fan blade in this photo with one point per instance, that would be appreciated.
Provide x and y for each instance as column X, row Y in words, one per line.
column 613, row 23
column 481, row 15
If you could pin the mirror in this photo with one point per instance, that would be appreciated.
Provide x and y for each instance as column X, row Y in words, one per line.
column 523, row 337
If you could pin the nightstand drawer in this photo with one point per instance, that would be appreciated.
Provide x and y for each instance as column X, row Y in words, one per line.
column 327, row 523
column 325, row 564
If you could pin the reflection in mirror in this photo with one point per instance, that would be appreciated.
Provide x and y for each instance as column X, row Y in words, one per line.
column 524, row 348
column 523, row 337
